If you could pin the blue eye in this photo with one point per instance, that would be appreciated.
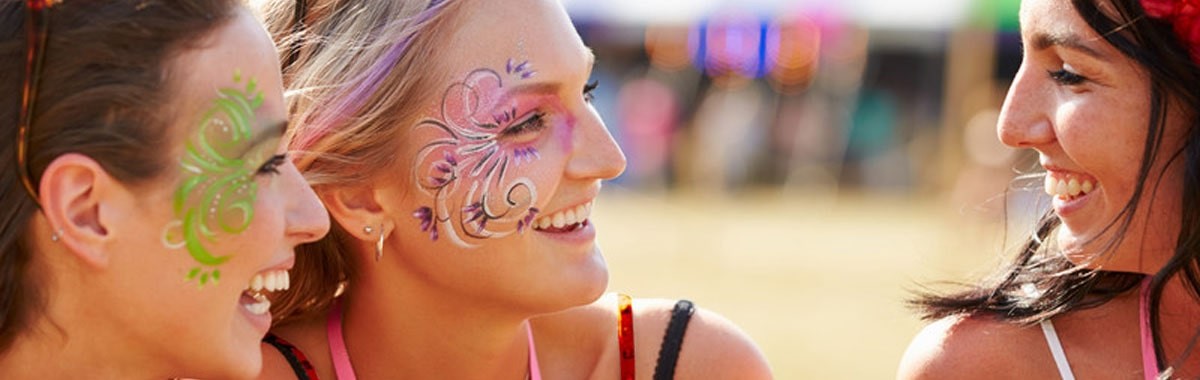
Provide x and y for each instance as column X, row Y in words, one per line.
column 1066, row 78
column 588, row 89
column 272, row 165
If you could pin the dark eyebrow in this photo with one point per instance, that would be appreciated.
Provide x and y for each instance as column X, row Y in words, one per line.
column 1043, row 41
column 263, row 135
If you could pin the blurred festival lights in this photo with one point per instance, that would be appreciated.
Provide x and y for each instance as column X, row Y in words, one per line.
column 736, row 47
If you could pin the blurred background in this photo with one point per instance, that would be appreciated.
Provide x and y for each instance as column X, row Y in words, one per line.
column 802, row 166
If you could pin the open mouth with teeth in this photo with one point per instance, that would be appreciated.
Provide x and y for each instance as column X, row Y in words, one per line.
column 254, row 298
column 1069, row 187
column 565, row 220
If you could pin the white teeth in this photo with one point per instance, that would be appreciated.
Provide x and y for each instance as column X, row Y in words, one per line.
column 1068, row 188
column 260, row 306
column 564, row 218
column 582, row 212
column 270, row 281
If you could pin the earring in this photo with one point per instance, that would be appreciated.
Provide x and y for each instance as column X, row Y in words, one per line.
column 368, row 230
column 379, row 247
column 54, row 237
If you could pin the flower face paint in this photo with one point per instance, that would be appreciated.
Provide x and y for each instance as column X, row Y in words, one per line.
column 218, row 190
column 484, row 132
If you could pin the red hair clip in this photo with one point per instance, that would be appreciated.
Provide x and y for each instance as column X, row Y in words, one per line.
column 1184, row 16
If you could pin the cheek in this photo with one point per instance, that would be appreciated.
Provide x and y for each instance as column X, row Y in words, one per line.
column 1104, row 143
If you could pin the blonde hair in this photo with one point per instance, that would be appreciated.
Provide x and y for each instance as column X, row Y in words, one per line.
column 356, row 73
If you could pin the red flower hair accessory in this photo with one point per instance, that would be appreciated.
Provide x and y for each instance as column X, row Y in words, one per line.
column 1184, row 15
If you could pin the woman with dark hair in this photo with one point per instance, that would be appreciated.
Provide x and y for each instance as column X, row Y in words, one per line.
column 146, row 205
column 1108, row 94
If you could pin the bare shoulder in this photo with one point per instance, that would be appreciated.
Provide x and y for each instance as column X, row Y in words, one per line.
column 713, row 347
column 977, row 347
column 307, row 336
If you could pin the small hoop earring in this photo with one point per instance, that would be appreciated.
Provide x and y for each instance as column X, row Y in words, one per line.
column 379, row 247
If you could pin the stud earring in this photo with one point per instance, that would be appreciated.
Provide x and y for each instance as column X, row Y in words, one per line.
column 54, row 237
column 368, row 230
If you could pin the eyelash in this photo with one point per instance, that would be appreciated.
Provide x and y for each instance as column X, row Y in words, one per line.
column 533, row 123
column 1066, row 78
column 272, row 165
column 588, row 89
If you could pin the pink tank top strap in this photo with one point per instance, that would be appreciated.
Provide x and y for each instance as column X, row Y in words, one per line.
column 1149, row 358
column 535, row 372
column 337, row 344
column 341, row 358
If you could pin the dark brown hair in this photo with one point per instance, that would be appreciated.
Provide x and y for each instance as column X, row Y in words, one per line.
column 103, row 93
column 1058, row 285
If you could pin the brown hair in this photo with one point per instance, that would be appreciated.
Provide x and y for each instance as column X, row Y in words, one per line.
column 354, row 70
column 106, row 70
column 1061, row 286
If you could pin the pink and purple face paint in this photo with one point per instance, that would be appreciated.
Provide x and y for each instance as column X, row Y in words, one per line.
column 485, row 130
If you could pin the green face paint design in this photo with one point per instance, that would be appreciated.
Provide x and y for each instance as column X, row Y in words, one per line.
column 218, row 190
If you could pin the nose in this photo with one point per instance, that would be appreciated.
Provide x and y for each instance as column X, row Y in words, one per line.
column 306, row 219
column 1024, row 121
column 596, row 155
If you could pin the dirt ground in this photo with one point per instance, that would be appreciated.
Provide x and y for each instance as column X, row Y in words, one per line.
column 819, row 282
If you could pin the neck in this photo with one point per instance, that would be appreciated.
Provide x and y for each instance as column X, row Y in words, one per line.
column 62, row 350
column 397, row 325
column 1179, row 318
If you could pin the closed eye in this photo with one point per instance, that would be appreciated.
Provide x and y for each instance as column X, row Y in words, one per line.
column 588, row 90
column 534, row 123
column 272, row 165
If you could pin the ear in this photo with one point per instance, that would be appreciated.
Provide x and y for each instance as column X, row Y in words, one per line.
column 355, row 208
column 72, row 190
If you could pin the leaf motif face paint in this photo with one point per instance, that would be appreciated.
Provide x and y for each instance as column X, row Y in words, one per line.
column 483, row 133
column 217, row 193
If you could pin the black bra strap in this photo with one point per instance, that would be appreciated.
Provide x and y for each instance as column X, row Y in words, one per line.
column 299, row 366
column 668, row 353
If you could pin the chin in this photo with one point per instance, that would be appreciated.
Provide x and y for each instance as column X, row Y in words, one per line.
column 1093, row 252
column 595, row 280
column 240, row 365
column 578, row 286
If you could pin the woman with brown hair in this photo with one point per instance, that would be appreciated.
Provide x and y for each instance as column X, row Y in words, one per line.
column 456, row 147
column 148, row 207
column 1108, row 94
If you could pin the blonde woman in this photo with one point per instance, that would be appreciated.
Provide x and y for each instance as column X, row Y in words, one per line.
column 456, row 148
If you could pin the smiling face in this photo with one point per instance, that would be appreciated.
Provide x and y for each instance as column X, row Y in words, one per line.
column 230, row 209
column 491, row 197
column 1085, row 108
